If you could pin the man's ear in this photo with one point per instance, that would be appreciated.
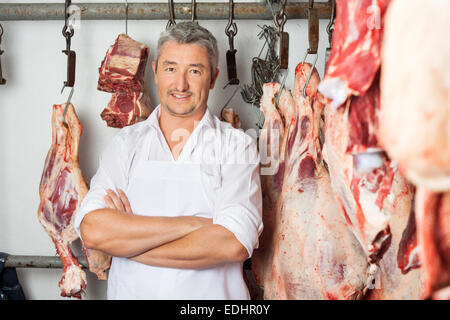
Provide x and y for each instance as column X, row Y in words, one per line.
column 213, row 80
column 154, row 71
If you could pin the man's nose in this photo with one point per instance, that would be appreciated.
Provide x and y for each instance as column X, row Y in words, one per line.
column 181, row 82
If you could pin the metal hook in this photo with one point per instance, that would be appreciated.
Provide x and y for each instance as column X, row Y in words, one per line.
column 309, row 74
column 280, row 20
column 2, row 80
column 231, row 31
column 262, row 70
column 229, row 100
column 330, row 26
column 126, row 17
column 193, row 10
column 313, row 38
column 67, row 106
column 68, row 33
column 171, row 21
column 313, row 28
column 277, row 99
column 330, row 29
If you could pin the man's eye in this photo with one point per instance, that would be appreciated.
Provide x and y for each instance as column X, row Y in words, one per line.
column 194, row 71
column 170, row 69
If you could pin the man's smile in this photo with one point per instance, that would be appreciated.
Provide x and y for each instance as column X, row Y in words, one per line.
column 180, row 96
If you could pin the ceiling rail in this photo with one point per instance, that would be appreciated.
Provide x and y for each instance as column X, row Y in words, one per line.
column 155, row 11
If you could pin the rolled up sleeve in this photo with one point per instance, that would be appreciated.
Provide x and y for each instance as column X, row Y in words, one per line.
column 239, row 206
column 111, row 174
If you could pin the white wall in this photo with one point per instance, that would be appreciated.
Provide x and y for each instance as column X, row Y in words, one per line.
column 35, row 69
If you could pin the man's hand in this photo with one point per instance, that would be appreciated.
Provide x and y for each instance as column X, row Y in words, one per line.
column 118, row 201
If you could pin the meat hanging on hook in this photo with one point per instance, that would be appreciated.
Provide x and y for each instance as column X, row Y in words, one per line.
column 68, row 32
column 2, row 80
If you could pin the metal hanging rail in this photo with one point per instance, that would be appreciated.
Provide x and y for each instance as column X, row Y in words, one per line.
column 54, row 262
column 48, row 262
column 156, row 11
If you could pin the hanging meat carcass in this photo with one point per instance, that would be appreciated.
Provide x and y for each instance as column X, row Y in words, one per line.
column 62, row 188
column 122, row 73
column 415, row 124
column 355, row 56
column 374, row 196
column 306, row 250
column 123, row 68
column 126, row 108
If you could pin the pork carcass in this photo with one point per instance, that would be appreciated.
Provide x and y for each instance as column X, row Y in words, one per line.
column 62, row 188
column 415, row 125
column 306, row 250
column 123, row 67
column 126, row 108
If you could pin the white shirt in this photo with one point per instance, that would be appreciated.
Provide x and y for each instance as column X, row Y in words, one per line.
column 215, row 176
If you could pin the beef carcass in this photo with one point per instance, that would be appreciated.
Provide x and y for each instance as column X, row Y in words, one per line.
column 416, row 105
column 361, row 181
column 356, row 49
column 306, row 250
column 433, row 225
column 122, row 73
column 126, row 108
column 415, row 125
column 123, row 68
column 62, row 188
column 374, row 196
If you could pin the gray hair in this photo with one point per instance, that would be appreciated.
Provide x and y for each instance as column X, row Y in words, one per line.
column 191, row 32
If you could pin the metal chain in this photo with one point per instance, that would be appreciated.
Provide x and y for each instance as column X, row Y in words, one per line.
column 67, row 34
column 2, row 80
column 281, row 17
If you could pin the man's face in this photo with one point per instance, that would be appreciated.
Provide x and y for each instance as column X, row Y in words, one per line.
column 183, row 78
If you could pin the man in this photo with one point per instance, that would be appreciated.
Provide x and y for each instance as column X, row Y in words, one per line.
column 178, row 217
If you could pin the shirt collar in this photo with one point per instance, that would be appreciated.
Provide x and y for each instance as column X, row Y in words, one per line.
column 207, row 122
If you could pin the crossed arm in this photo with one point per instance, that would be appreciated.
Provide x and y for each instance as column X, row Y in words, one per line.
column 177, row 242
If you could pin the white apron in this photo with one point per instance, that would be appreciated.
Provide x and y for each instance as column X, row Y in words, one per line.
column 173, row 188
